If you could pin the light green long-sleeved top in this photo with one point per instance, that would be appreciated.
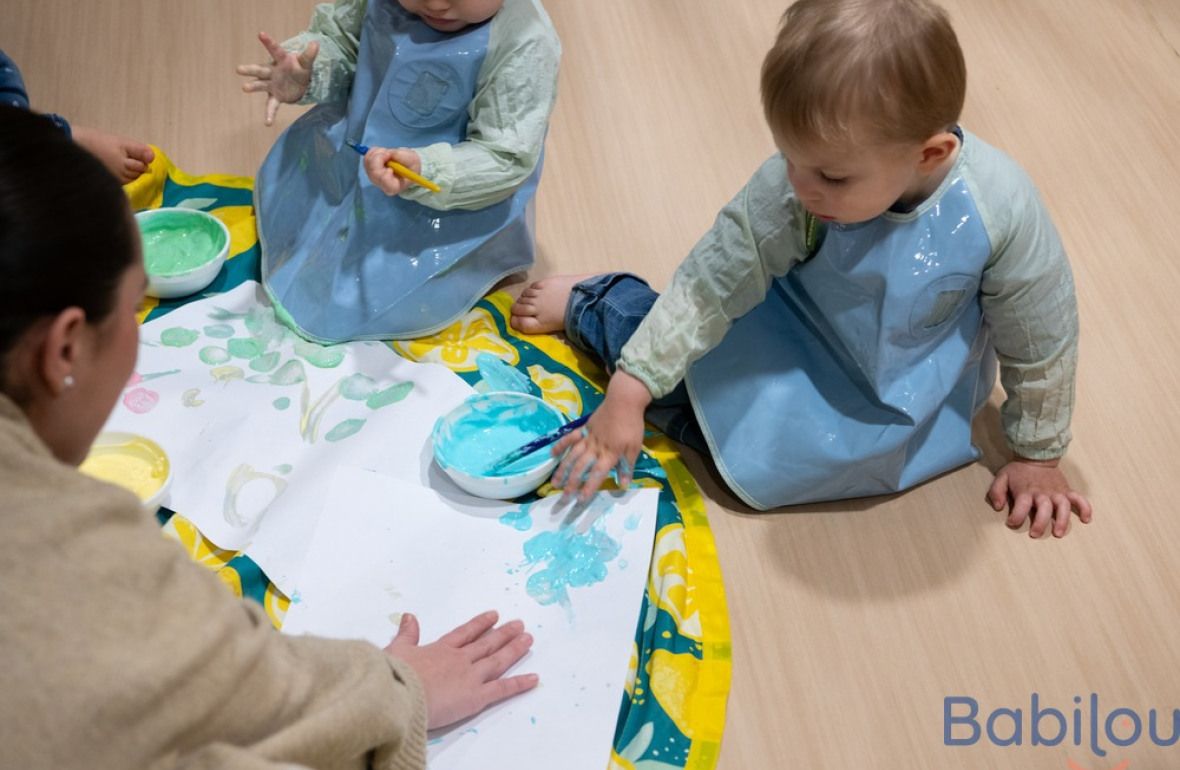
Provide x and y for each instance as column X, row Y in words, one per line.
column 1027, row 292
column 508, row 115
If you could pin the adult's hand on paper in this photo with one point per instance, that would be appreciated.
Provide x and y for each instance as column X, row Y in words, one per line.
column 463, row 672
column 285, row 79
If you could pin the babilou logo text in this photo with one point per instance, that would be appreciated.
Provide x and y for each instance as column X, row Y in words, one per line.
column 1087, row 723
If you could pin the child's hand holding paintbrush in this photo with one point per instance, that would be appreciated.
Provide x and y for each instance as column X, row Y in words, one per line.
column 393, row 170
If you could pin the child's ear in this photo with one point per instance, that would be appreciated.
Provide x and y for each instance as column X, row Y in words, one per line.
column 936, row 150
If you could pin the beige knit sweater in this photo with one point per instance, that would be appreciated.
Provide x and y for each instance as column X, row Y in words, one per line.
column 116, row 651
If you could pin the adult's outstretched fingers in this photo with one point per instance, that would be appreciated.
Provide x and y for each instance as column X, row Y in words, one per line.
column 471, row 630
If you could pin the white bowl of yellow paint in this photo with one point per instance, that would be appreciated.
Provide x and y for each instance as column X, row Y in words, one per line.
column 183, row 250
column 133, row 462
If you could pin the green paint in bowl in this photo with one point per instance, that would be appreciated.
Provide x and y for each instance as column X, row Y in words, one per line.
column 183, row 249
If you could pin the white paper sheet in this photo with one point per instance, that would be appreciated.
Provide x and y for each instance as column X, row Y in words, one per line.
column 384, row 547
column 255, row 420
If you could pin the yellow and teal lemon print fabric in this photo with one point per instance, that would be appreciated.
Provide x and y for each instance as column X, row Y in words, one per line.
column 672, row 707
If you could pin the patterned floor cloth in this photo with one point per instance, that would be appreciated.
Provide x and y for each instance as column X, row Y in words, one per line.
column 673, row 707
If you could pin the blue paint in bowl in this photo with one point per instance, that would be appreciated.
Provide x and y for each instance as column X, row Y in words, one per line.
column 484, row 428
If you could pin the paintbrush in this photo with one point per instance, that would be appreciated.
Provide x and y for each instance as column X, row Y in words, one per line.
column 399, row 169
column 535, row 444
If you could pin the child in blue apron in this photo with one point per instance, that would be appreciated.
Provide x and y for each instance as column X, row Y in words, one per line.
column 838, row 328
column 459, row 91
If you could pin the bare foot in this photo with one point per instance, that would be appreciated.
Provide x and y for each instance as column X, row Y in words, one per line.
column 541, row 307
column 123, row 157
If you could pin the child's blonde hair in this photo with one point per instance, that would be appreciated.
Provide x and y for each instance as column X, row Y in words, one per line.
column 840, row 69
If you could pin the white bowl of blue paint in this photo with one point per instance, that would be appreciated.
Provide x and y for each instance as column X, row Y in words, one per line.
column 474, row 435
column 183, row 250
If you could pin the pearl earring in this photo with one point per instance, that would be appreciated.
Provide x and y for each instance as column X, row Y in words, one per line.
column 68, row 381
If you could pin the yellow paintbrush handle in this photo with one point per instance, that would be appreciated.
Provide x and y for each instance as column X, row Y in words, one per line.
column 401, row 170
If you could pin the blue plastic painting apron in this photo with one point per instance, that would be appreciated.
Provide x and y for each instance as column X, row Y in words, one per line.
column 341, row 258
column 861, row 371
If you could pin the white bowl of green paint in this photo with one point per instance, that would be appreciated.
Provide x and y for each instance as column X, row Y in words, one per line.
column 183, row 250
column 474, row 435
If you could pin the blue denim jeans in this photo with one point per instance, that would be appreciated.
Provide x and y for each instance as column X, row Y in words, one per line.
column 602, row 314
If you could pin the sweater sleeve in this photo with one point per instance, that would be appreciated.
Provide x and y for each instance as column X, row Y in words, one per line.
column 1029, row 302
column 132, row 655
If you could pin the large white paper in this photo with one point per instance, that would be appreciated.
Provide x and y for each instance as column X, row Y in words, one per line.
column 255, row 420
column 384, row 547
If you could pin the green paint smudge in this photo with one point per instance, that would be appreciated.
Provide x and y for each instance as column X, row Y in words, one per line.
column 290, row 373
column 178, row 337
column 282, row 403
column 265, row 362
column 344, row 429
column 320, row 356
column 283, row 469
column 244, row 348
column 357, row 387
column 390, row 395
column 219, row 331
column 214, row 355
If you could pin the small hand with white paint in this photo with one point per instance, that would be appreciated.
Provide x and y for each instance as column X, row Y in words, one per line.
column 382, row 176
column 285, row 79
column 611, row 438
column 1038, row 491
column 463, row 672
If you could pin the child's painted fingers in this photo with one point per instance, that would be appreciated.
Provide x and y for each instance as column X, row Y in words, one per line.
column 567, row 441
column 597, row 474
column 567, row 477
column 579, row 474
column 626, row 467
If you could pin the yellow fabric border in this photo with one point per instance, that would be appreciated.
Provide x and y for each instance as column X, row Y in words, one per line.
column 709, row 697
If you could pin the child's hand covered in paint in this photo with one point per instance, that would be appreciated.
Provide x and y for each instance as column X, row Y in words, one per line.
column 285, row 79
column 463, row 672
column 382, row 176
column 1037, row 488
column 612, row 437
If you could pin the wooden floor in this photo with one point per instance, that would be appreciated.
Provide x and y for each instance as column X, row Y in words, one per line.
column 853, row 621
